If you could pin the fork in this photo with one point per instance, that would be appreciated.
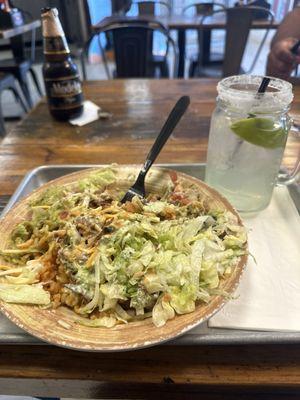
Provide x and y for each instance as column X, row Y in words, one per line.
column 138, row 188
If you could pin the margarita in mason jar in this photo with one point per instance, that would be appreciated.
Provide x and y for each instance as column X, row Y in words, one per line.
column 247, row 138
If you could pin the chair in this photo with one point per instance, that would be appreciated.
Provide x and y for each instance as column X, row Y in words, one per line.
column 132, row 43
column 81, row 48
column 238, row 25
column 204, row 8
column 120, row 7
column 153, row 9
column 204, row 37
column 19, row 67
column 7, row 82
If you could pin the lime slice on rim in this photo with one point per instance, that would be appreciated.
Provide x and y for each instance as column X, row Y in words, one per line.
column 260, row 131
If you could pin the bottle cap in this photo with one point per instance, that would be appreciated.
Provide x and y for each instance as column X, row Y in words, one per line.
column 51, row 23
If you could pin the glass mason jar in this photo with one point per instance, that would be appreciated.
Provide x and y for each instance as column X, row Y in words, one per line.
column 247, row 137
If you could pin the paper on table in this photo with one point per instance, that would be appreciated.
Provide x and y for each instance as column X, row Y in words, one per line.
column 90, row 114
column 269, row 291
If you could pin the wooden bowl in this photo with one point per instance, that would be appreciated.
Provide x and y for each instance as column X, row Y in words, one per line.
column 50, row 325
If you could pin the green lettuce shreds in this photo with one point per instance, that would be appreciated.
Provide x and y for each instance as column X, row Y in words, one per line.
column 116, row 263
column 24, row 294
column 180, row 259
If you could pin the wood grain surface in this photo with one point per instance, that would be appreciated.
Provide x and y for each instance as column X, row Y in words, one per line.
column 139, row 108
column 215, row 372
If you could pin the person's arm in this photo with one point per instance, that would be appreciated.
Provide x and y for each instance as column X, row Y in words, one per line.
column 281, row 61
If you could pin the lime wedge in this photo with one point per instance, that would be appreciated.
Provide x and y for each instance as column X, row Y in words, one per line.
column 260, row 131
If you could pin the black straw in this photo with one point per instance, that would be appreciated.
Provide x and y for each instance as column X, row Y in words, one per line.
column 261, row 90
column 295, row 48
column 264, row 84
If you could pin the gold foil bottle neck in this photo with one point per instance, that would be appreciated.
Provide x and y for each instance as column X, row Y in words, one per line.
column 51, row 24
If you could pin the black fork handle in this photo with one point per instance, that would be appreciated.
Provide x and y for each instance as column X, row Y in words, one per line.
column 170, row 124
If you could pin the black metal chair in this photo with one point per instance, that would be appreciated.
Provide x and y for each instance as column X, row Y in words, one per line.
column 7, row 82
column 132, row 44
column 20, row 66
column 80, row 50
column 120, row 7
column 238, row 25
column 152, row 8
column 204, row 37
column 204, row 8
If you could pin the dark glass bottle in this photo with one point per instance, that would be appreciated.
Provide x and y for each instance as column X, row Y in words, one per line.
column 62, row 83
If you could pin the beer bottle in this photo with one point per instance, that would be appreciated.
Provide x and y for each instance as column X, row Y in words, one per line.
column 62, row 83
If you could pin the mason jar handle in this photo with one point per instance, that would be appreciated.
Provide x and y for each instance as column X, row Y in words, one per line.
column 290, row 178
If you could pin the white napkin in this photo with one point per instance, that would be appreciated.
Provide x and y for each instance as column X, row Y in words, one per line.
column 269, row 291
column 90, row 113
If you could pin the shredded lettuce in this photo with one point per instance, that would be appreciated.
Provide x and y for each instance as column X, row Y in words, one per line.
column 162, row 311
column 24, row 294
column 156, row 257
column 106, row 322
column 28, row 275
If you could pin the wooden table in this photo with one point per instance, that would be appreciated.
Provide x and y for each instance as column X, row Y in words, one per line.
column 139, row 109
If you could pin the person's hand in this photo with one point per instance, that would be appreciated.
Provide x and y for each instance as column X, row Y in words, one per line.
column 281, row 62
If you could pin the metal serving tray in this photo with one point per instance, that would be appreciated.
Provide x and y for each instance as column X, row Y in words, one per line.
column 10, row 334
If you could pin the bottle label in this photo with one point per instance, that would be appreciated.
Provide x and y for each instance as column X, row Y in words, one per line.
column 64, row 93
column 56, row 45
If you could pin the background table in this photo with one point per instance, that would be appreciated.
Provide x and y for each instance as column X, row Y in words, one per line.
column 22, row 62
column 16, row 40
column 139, row 109
column 19, row 30
column 214, row 22
column 182, row 23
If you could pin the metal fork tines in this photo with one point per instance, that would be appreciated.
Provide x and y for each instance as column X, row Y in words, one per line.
column 137, row 189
